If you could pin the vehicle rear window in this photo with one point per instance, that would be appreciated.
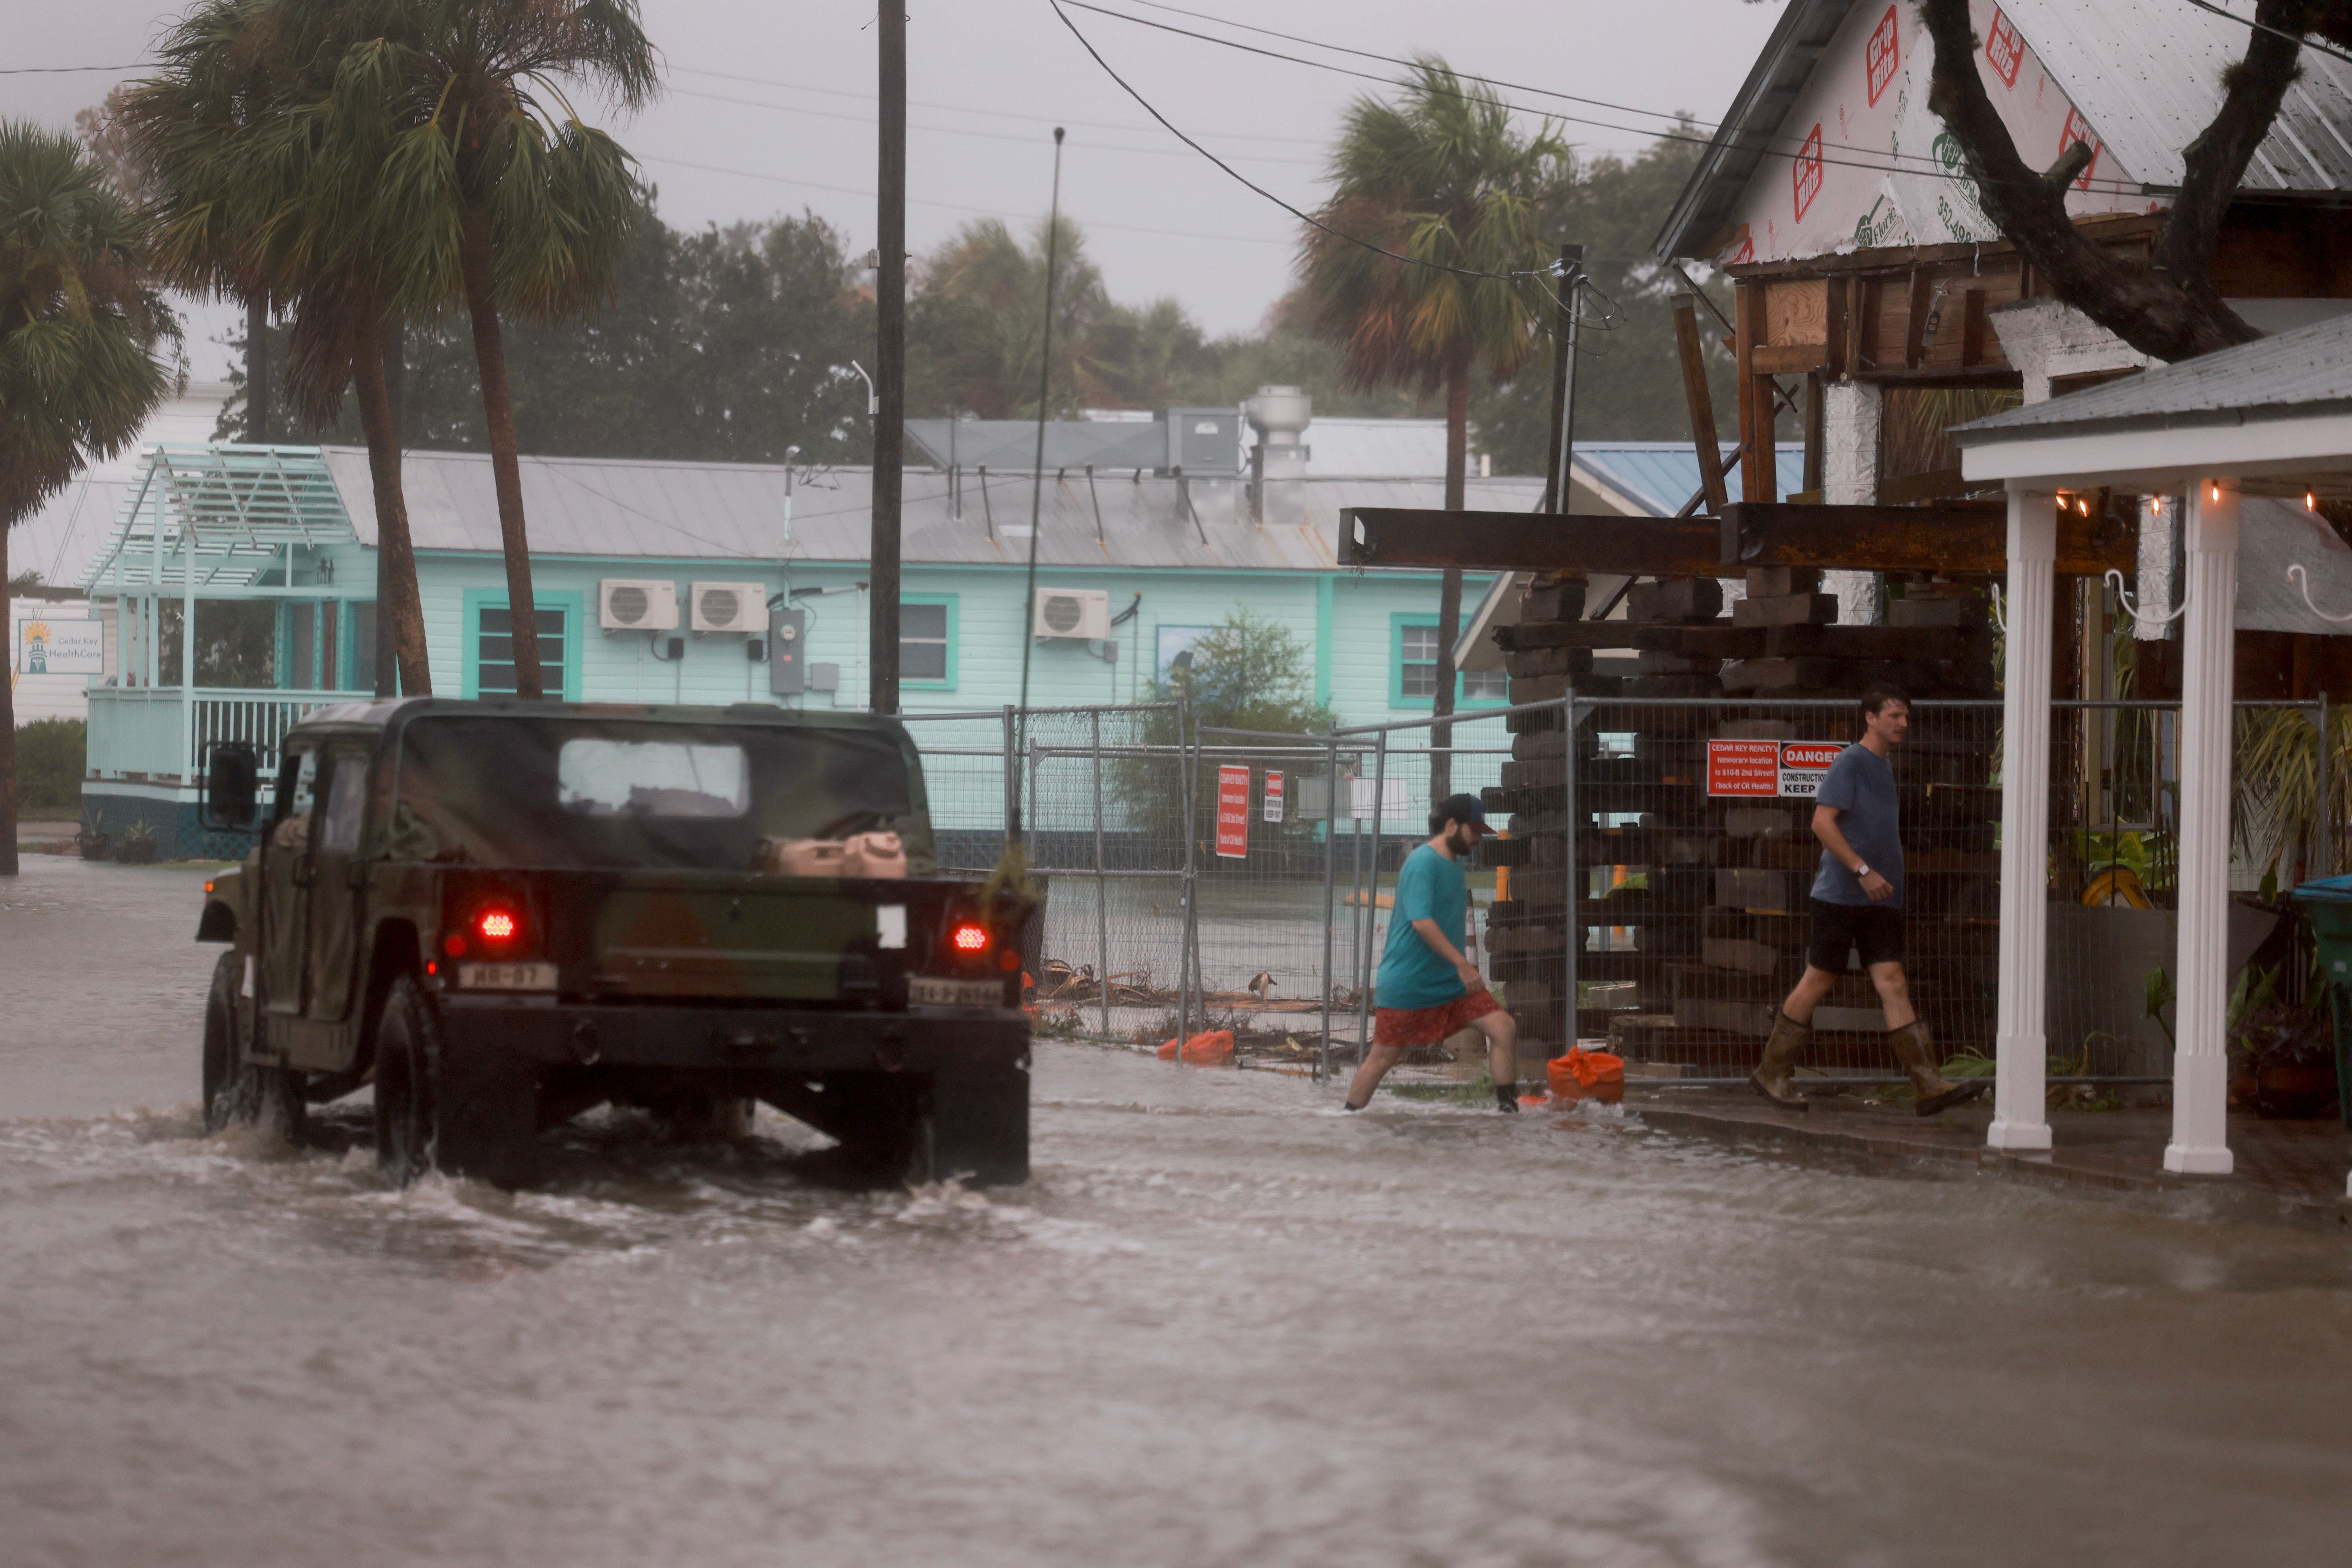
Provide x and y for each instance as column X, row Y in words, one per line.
column 584, row 792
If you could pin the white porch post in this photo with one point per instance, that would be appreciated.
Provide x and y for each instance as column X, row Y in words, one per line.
column 2200, row 1144
column 187, row 654
column 2018, row 1121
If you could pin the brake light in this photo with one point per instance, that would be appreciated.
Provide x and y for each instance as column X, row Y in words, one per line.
column 970, row 937
column 495, row 925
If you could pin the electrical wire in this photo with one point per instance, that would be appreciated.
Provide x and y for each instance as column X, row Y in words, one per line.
column 2259, row 26
column 69, row 70
column 1304, row 217
column 1932, row 169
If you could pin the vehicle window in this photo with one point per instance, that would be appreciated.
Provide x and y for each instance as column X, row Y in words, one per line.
column 652, row 778
column 301, row 786
column 346, row 805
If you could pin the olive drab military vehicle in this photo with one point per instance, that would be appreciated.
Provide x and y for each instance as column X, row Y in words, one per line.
column 502, row 913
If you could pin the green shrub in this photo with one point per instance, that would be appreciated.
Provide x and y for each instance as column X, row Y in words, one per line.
column 49, row 761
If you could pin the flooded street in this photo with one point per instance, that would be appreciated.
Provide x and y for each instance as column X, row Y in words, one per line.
column 1225, row 1325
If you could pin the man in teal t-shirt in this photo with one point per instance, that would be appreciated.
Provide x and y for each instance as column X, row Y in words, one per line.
column 1428, row 988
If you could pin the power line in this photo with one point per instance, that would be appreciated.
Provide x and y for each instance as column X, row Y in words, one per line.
column 1933, row 171
column 1304, row 217
column 950, row 207
column 990, row 135
column 1676, row 115
column 69, row 70
column 2259, row 26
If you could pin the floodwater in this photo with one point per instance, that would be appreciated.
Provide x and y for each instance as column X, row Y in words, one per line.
column 1225, row 1325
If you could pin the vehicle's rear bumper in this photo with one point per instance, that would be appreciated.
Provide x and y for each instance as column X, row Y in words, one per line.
column 732, row 1038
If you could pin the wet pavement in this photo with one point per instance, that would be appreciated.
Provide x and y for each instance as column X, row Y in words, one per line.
column 1226, row 1324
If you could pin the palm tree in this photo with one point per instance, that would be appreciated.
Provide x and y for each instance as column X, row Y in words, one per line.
column 249, row 201
column 81, row 322
column 492, row 191
column 1443, row 178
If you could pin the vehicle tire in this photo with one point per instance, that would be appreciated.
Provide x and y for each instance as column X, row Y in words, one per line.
column 407, row 1069
column 475, row 1116
column 877, row 1119
column 238, row 1092
column 975, row 1126
column 709, row 1118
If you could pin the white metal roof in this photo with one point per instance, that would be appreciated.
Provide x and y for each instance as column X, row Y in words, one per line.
column 217, row 516
column 2147, row 75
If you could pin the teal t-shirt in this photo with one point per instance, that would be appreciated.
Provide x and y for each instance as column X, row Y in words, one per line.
column 1429, row 887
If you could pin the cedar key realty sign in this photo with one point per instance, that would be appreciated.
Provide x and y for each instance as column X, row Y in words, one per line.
column 1769, row 769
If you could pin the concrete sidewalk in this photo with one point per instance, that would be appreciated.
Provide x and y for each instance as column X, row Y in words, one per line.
column 2300, row 1164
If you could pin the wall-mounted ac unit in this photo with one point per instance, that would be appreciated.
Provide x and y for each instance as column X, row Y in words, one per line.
column 1082, row 614
column 727, row 606
column 634, row 604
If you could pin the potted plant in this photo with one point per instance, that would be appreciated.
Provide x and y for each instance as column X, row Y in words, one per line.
column 138, row 844
column 93, row 842
column 2289, row 1053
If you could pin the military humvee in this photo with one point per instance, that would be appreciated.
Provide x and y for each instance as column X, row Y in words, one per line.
column 502, row 913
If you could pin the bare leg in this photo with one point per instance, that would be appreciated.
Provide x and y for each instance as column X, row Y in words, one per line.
column 1814, row 984
column 1377, row 1062
column 1502, row 1032
column 1893, row 993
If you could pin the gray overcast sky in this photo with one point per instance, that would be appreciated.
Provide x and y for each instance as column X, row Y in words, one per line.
column 989, row 78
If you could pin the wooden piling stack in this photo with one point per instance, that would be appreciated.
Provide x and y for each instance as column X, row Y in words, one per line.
column 1704, row 899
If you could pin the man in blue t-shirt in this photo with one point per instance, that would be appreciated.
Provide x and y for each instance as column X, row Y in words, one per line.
column 1857, row 907
column 1428, row 988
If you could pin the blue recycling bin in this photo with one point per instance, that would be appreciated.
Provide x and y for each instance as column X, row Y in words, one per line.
column 2327, row 907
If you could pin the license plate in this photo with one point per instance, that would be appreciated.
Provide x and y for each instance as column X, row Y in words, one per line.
column 924, row 991
column 507, row 976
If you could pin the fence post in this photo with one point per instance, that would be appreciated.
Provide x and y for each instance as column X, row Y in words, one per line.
column 2326, row 823
column 1331, row 890
column 1011, row 775
column 1102, row 886
column 1572, row 937
column 1184, row 919
column 1366, row 962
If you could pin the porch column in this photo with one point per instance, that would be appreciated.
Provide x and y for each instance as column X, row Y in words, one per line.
column 187, row 655
column 2209, row 587
column 2018, row 1121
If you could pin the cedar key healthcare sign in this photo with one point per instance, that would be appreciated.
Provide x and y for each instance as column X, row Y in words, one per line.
column 1769, row 769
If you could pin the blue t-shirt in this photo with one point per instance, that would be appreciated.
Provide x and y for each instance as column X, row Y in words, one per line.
column 1861, row 786
column 1429, row 887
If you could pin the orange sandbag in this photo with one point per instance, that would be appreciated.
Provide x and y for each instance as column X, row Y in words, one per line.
column 1588, row 1075
column 1203, row 1049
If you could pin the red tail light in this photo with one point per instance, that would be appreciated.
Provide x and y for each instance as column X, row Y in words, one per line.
column 498, row 925
column 970, row 937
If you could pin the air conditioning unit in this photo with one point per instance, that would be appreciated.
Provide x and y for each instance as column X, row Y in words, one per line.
column 727, row 606
column 632, row 605
column 1081, row 615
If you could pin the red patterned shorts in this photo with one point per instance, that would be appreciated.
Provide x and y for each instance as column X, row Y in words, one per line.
column 1404, row 1027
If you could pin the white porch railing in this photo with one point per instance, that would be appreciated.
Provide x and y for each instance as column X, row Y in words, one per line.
column 158, row 734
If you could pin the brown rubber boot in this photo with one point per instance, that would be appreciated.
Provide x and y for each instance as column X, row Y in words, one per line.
column 1771, row 1076
column 1912, row 1049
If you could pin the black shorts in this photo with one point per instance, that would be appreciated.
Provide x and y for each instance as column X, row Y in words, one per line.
column 1875, row 931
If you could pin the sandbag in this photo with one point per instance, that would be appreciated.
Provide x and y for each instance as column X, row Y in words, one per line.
column 1207, row 1049
column 1587, row 1075
column 875, row 854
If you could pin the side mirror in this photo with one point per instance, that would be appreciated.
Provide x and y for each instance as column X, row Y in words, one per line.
column 232, row 784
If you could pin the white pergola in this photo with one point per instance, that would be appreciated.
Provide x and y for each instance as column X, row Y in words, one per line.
column 2269, row 418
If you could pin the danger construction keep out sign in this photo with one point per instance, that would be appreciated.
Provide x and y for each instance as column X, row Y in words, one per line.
column 1770, row 769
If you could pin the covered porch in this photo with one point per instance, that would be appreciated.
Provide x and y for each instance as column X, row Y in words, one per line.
column 243, row 599
column 2267, row 424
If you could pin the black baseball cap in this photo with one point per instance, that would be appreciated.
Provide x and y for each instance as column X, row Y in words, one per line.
column 1466, row 809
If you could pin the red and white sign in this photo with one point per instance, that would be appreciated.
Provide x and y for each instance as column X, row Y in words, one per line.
column 1232, row 811
column 1806, row 170
column 2079, row 129
column 1743, row 767
column 1769, row 769
column 1273, row 797
column 2005, row 48
column 1885, row 57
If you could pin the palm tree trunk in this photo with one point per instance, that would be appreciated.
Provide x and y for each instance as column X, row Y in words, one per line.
column 1449, row 593
column 399, row 612
column 8, row 726
column 505, row 471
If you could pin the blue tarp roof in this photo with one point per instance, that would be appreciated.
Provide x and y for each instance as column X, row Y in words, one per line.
column 1662, row 475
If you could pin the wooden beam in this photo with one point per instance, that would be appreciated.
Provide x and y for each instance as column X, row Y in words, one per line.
column 1530, row 541
column 1816, row 456
column 1701, row 402
column 1954, row 538
column 1914, row 318
column 1756, row 413
column 1787, row 359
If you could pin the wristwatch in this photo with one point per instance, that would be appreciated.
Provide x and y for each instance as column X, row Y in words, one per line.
column 1861, row 870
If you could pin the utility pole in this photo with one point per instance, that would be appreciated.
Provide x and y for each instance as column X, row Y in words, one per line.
column 256, row 368
column 1560, row 459
column 889, row 358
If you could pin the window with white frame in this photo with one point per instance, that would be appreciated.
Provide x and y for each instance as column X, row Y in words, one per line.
column 923, row 642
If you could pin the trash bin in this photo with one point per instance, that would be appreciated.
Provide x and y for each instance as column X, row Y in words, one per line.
column 2327, row 906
